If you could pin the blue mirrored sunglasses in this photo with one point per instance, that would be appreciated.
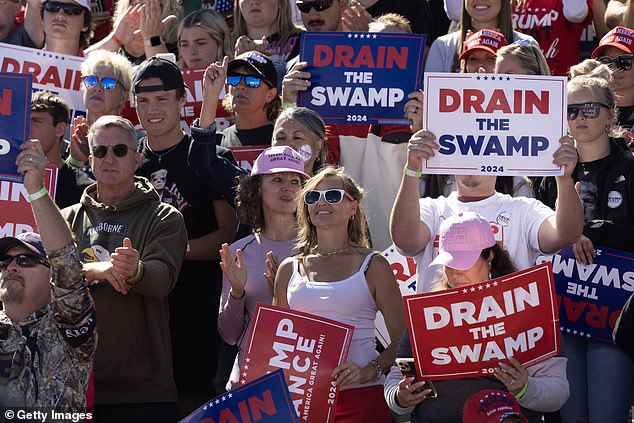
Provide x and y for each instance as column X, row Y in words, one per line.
column 106, row 83
column 249, row 80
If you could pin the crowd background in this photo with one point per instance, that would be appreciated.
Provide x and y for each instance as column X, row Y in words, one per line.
column 187, row 330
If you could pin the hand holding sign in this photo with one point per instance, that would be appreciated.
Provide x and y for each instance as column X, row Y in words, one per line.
column 422, row 146
column 414, row 110
column 31, row 163
column 514, row 378
column 566, row 155
column 294, row 81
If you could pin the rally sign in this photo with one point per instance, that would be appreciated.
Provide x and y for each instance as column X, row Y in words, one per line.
column 193, row 79
column 15, row 120
column 264, row 400
column 494, row 124
column 307, row 348
column 56, row 73
column 466, row 331
column 404, row 269
column 16, row 216
column 361, row 77
column 245, row 155
column 591, row 297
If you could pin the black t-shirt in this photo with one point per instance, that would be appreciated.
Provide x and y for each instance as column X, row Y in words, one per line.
column 71, row 183
column 234, row 137
column 591, row 177
column 626, row 117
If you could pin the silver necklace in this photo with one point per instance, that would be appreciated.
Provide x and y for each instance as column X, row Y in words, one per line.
column 160, row 156
column 329, row 253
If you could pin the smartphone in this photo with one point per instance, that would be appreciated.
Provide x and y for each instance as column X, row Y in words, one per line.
column 408, row 369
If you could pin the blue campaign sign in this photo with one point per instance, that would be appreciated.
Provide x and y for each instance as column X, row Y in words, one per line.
column 15, row 120
column 263, row 400
column 361, row 77
column 591, row 297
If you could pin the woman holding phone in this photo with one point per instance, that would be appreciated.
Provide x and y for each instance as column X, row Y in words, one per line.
column 470, row 255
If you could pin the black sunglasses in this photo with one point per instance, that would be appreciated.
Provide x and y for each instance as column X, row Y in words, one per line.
column 69, row 8
column 318, row 5
column 106, row 83
column 621, row 62
column 332, row 196
column 119, row 150
column 23, row 260
column 588, row 110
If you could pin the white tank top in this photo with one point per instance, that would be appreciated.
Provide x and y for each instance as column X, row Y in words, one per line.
column 346, row 301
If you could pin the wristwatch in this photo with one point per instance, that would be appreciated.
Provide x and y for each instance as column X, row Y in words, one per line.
column 153, row 41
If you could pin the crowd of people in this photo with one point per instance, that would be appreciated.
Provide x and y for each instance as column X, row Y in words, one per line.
column 136, row 297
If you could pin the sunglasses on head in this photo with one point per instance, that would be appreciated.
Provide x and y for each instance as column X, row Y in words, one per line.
column 332, row 196
column 69, row 8
column 318, row 5
column 588, row 110
column 249, row 80
column 22, row 260
column 119, row 150
column 621, row 62
column 106, row 83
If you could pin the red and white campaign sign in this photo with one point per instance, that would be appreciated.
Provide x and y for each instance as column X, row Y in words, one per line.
column 307, row 348
column 246, row 154
column 16, row 216
column 191, row 110
column 491, row 124
column 56, row 73
column 466, row 331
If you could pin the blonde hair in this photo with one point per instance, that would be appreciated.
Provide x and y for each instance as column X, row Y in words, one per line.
column 213, row 24
column 283, row 21
column 168, row 7
column 120, row 66
column 529, row 56
column 505, row 27
column 356, row 225
column 391, row 20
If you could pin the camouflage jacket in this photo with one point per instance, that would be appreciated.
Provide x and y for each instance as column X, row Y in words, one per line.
column 45, row 360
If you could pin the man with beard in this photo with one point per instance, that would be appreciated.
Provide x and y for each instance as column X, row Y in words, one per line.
column 47, row 328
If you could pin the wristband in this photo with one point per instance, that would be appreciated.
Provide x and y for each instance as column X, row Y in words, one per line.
column 412, row 173
column 521, row 393
column 288, row 105
column 187, row 251
column 379, row 370
column 37, row 194
column 117, row 40
column 137, row 275
column 74, row 162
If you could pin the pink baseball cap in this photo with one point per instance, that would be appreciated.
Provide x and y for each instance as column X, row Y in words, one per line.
column 620, row 37
column 463, row 236
column 278, row 159
column 489, row 406
column 485, row 39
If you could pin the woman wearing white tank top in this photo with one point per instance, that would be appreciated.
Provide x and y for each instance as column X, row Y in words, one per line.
column 336, row 275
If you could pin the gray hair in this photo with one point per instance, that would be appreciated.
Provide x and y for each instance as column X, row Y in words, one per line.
column 112, row 121
column 310, row 120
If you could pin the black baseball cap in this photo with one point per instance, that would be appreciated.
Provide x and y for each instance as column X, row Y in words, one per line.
column 163, row 69
column 28, row 240
column 258, row 63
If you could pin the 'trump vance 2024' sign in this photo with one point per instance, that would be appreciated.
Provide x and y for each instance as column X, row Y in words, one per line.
column 466, row 331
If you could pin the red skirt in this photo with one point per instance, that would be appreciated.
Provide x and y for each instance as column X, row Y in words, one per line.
column 362, row 405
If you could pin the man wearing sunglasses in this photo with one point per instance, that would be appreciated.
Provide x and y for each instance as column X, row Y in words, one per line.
column 616, row 49
column 133, row 246
column 47, row 327
column 159, row 92
column 67, row 26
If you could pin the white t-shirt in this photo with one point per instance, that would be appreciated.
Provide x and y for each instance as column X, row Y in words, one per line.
column 515, row 222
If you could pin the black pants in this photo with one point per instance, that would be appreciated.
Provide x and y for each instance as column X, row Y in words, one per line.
column 156, row 412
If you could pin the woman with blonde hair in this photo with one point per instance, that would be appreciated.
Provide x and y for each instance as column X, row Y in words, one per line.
column 522, row 57
column 203, row 38
column 335, row 275
column 266, row 26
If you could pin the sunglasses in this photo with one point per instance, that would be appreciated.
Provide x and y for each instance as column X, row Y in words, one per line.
column 318, row 5
column 106, row 83
column 332, row 196
column 69, row 8
column 249, row 80
column 588, row 110
column 119, row 150
column 621, row 62
column 23, row 260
